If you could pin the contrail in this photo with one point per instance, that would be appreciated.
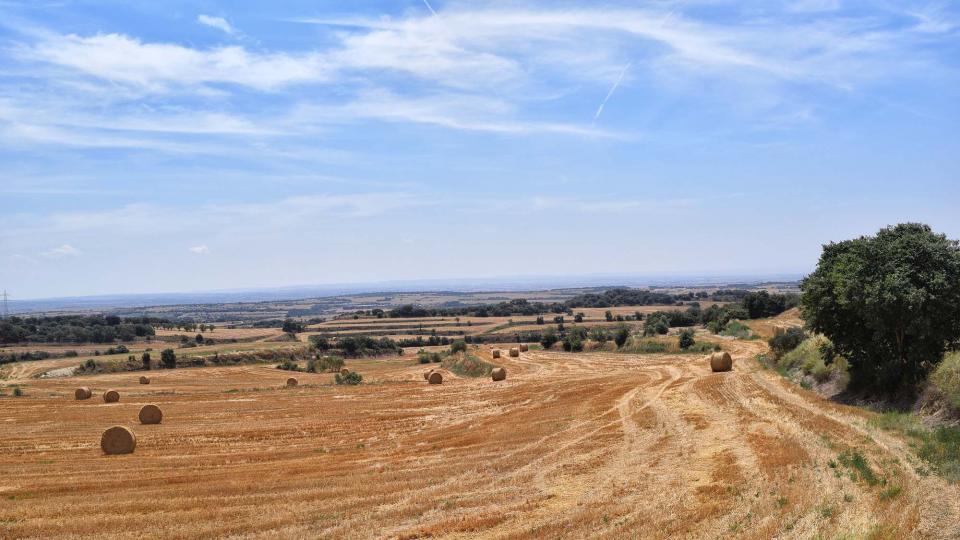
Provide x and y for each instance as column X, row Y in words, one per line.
column 612, row 89
column 430, row 8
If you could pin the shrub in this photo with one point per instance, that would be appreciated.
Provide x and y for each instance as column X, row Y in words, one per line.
column 621, row 335
column 288, row 365
column 736, row 329
column 787, row 341
column 468, row 365
column 326, row 363
column 548, row 338
column 168, row 358
column 656, row 324
column 70, row 354
column 119, row 349
column 351, row 378
column 320, row 343
column 458, row 346
column 946, row 379
column 808, row 357
column 17, row 391
column 599, row 334
column 686, row 339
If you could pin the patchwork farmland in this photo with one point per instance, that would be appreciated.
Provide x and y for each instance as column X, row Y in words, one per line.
column 586, row 445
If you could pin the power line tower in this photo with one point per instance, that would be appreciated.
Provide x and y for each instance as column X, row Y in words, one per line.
column 6, row 309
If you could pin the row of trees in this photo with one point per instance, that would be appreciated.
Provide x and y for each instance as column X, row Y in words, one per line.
column 354, row 346
column 76, row 329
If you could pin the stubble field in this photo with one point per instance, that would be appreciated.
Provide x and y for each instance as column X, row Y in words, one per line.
column 591, row 445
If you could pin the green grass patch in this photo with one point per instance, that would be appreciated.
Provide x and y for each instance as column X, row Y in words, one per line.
column 939, row 447
column 738, row 330
column 859, row 467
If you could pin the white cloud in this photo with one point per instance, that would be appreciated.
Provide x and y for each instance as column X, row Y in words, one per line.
column 202, row 249
column 457, row 111
column 64, row 250
column 161, row 67
column 215, row 22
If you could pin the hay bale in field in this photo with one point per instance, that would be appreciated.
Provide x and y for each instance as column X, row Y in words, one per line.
column 498, row 374
column 292, row 381
column 426, row 374
column 721, row 361
column 344, row 372
column 435, row 378
column 118, row 440
column 111, row 396
column 524, row 347
column 514, row 352
column 150, row 414
column 82, row 393
column 779, row 331
column 144, row 380
column 496, row 353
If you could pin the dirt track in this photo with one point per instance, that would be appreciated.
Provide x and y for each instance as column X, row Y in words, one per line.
column 596, row 445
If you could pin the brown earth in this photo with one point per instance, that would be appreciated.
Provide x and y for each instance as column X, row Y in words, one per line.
column 592, row 445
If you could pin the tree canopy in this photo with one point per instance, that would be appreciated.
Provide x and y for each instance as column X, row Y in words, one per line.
column 890, row 304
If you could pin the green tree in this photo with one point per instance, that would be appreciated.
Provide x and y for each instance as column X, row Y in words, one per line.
column 145, row 359
column 889, row 303
column 168, row 358
column 657, row 323
column 548, row 338
column 621, row 335
column 686, row 339
column 291, row 326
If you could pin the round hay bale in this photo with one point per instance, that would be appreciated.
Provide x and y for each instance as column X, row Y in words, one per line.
column 144, row 380
column 111, row 396
column 82, row 393
column 779, row 331
column 344, row 372
column 292, row 381
column 524, row 347
column 514, row 352
column 496, row 353
column 435, row 378
column 426, row 374
column 118, row 440
column 150, row 414
column 498, row 374
column 721, row 361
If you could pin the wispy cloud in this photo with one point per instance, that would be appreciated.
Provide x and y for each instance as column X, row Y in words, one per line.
column 59, row 252
column 157, row 67
column 202, row 249
column 215, row 22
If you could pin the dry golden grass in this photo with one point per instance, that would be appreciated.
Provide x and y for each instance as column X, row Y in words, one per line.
column 225, row 333
column 593, row 445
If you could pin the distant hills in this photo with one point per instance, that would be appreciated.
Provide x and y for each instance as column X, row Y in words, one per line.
column 506, row 284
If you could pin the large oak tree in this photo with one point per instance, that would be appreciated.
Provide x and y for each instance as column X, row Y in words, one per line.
column 890, row 303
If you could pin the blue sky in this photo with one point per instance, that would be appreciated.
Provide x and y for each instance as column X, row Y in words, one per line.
column 175, row 146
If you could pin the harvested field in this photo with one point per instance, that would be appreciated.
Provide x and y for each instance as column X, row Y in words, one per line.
column 593, row 445
column 251, row 334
